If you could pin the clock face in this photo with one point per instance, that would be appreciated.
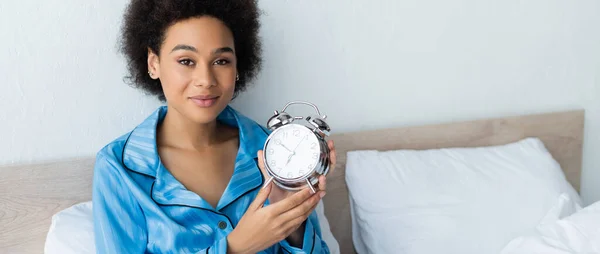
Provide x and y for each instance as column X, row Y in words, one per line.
column 293, row 151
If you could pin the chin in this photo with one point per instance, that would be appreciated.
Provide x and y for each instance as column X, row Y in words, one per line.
column 205, row 114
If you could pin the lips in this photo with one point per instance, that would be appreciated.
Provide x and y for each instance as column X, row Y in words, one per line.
column 204, row 100
column 204, row 97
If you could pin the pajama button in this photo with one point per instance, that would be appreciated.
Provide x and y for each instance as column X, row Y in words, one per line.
column 222, row 225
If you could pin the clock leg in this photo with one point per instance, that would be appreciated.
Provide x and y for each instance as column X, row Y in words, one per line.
column 312, row 189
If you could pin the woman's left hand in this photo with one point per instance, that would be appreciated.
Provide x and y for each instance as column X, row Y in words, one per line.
column 278, row 194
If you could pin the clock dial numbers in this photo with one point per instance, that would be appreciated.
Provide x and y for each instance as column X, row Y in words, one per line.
column 293, row 151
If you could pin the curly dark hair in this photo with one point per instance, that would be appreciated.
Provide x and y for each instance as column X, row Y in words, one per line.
column 146, row 21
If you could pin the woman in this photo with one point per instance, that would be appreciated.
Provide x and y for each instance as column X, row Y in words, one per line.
column 188, row 179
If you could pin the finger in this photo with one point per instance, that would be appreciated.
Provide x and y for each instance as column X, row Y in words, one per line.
column 294, row 224
column 305, row 208
column 298, row 215
column 332, row 156
column 261, row 197
column 261, row 164
column 322, row 183
column 292, row 201
column 261, row 167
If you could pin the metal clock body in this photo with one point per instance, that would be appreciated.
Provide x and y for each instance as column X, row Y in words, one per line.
column 295, row 154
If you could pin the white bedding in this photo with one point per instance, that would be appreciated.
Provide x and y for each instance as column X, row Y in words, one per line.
column 454, row 200
column 72, row 231
column 577, row 233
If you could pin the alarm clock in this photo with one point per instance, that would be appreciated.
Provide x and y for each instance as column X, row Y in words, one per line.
column 296, row 153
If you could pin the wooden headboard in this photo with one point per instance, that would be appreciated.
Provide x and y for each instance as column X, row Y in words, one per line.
column 31, row 194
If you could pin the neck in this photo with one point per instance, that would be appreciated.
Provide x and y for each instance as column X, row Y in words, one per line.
column 179, row 132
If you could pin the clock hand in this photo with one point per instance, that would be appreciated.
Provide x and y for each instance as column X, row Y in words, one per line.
column 294, row 151
column 289, row 158
column 286, row 148
column 291, row 154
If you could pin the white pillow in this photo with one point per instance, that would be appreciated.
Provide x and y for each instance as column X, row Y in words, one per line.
column 454, row 200
column 72, row 231
column 577, row 233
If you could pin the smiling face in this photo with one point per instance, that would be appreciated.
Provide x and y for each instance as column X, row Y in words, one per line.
column 196, row 67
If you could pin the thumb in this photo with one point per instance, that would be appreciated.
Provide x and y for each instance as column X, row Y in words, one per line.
column 261, row 197
column 261, row 164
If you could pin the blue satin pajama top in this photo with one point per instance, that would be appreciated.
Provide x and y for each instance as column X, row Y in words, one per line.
column 139, row 207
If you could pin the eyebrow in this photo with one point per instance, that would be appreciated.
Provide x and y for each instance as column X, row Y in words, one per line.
column 184, row 47
column 192, row 48
column 223, row 50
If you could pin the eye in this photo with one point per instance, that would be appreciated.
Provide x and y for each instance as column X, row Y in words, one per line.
column 222, row 62
column 186, row 62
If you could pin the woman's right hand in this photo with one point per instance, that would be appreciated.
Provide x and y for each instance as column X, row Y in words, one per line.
column 262, row 227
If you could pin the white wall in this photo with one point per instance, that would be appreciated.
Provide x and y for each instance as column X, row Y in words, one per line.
column 413, row 61
column 62, row 81
column 420, row 62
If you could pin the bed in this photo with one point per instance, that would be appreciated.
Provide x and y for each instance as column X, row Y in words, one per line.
column 31, row 194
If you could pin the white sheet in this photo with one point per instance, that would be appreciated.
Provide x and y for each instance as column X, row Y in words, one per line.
column 72, row 231
column 577, row 233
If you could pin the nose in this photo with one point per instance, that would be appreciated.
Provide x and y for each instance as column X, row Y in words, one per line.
column 203, row 76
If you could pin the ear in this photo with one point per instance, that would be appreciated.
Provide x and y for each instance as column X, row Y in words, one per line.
column 153, row 64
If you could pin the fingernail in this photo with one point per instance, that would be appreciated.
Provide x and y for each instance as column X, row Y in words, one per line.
column 322, row 194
